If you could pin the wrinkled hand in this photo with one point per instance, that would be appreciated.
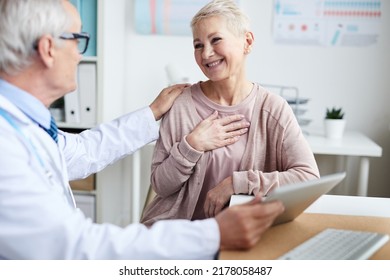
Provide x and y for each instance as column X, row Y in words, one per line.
column 213, row 133
column 217, row 197
column 165, row 99
column 241, row 226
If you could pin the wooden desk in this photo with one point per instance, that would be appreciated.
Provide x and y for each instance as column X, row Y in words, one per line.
column 352, row 144
column 280, row 239
column 351, row 205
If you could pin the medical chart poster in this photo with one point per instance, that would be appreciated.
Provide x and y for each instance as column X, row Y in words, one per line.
column 327, row 22
column 166, row 17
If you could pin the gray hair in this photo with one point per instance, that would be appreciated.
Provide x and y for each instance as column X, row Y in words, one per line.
column 237, row 21
column 22, row 24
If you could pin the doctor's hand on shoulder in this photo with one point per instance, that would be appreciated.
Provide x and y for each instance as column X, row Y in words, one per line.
column 241, row 226
column 165, row 99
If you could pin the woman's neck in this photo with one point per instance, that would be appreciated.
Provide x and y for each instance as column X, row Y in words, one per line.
column 226, row 93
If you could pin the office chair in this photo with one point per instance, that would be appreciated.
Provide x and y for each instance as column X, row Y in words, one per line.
column 149, row 197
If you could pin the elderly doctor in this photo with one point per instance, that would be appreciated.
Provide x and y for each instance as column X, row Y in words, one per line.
column 39, row 53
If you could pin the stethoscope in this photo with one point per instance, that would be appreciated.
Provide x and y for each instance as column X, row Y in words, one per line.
column 31, row 147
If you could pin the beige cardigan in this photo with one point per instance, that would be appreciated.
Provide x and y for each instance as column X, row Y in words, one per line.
column 276, row 154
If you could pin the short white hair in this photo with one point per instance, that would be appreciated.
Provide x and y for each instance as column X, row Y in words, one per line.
column 22, row 24
column 237, row 21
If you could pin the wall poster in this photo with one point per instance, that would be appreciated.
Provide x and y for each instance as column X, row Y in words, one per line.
column 327, row 22
column 166, row 17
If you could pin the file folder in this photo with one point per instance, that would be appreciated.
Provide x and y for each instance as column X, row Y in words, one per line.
column 88, row 13
column 72, row 107
column 76, row 3
column 87, row 93
column 87, row 204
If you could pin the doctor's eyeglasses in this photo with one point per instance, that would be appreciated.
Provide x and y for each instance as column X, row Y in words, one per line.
column 82, row 40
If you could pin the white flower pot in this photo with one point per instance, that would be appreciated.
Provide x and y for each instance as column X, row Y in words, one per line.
column 334, row 128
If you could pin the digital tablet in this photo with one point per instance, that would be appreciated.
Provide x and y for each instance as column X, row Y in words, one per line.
column 296, row 197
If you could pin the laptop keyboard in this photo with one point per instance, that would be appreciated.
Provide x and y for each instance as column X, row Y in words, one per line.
column 337, row 244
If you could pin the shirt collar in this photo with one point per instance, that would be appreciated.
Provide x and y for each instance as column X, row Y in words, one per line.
column 27, row 103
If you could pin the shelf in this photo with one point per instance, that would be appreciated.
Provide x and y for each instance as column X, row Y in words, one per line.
column 71, row 112
column 291, row 95
column 89, row 59
column 78, row 192
column 74, row 125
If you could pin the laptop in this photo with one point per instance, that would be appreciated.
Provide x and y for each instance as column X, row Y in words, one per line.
column 296, row 197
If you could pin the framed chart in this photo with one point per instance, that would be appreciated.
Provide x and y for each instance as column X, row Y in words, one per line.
column 327, row 22
column 166, row 17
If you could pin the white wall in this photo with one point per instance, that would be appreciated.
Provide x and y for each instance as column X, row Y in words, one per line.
column 356, row 78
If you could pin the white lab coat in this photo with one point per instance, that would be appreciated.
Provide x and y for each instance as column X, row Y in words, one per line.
column 37, row 218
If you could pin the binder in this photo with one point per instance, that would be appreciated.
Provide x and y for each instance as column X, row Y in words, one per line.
column 76, row 3
column 87, row 93
column 87, row 204
column 86, row 184
column 72, row 107
column 88, row 13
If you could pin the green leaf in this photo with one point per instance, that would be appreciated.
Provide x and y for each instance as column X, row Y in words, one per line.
column 334, row 113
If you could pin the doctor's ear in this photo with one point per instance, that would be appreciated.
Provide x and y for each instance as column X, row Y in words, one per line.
column 45, row 49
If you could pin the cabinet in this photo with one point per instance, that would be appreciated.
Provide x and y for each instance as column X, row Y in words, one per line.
column 78, row 110
column 111, row 195
column 100, row 196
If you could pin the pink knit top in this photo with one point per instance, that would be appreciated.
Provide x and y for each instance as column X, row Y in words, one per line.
column 223, row 161
column 275, row 153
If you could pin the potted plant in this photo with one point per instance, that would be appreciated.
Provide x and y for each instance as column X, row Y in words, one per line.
column 334, row 123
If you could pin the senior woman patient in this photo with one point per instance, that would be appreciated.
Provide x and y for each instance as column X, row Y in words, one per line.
column 193, row 178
